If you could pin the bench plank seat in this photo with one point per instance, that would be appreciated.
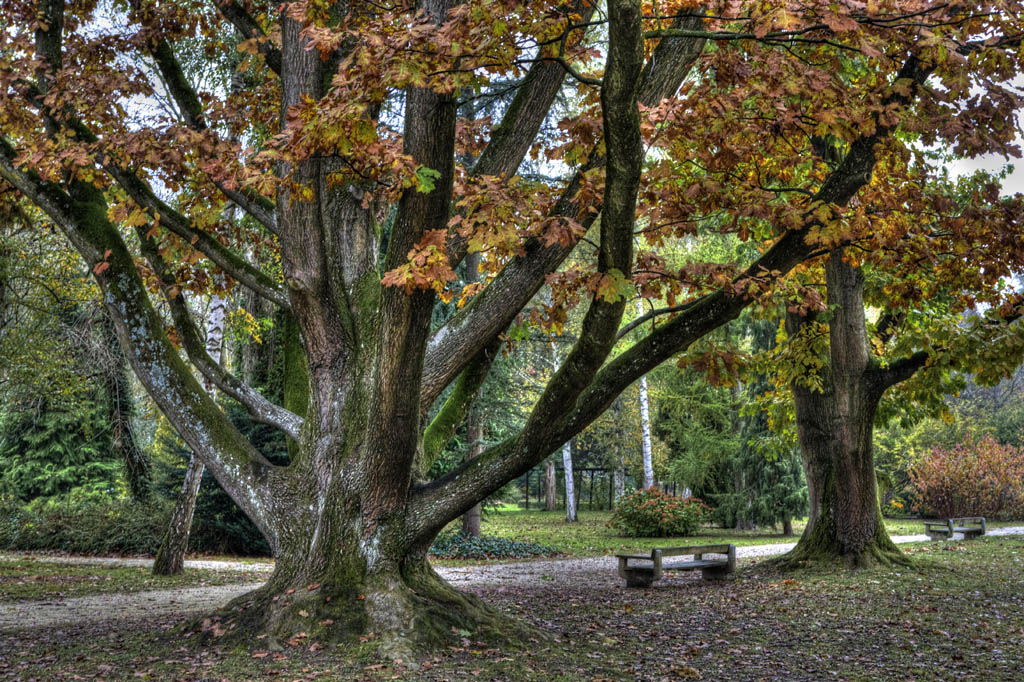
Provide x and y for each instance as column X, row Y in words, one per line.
column 693, row 565
column 644, row 575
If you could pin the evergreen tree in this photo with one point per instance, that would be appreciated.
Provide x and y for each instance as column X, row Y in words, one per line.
column 768, row 483
column 48, row 451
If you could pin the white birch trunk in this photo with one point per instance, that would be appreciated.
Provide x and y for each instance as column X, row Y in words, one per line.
column 645, row 421
column 645, row 429
column 170, row 557
column 570, row 493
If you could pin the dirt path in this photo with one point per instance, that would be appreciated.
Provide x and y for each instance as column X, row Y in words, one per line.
column 41, row 613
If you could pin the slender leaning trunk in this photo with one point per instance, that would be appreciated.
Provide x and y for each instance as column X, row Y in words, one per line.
column 170, row 557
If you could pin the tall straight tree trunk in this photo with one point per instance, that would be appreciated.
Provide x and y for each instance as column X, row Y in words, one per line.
column 474, row 421
column 619, row 478
column 475, row 435
column 170, row 557
column 645, row 422
column 570, row 489
column 835, row 428
column 645, row 431
column 550, row 486
column 618, row 481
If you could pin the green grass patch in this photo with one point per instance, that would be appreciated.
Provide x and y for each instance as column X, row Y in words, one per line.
column 590, row 535
column 28, row 578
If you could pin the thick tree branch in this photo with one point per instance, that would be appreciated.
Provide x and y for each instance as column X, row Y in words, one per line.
column 250, row 30
column 82, row 217
column 477, row 478
column 898, row 371
column 493, row 309
column 511, row 139
column 650, row 315
column 394, row 426
column 260, row 409
column 887, row 324
column 621, row 117
column 442, row 428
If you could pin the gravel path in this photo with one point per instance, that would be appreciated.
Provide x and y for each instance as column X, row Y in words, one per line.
column 40, row 613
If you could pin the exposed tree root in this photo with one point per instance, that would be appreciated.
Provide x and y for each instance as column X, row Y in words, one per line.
column 398, row 616
column 822, row 548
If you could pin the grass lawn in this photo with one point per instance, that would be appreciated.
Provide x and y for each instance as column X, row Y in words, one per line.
column 28, row 578
column 957, row 614
column 591, row 537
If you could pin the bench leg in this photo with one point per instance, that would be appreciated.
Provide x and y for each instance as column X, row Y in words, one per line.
column 715, row 573
column 638, row 577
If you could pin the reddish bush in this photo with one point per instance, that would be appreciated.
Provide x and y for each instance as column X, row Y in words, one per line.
column 975, row 478
column 652, row 513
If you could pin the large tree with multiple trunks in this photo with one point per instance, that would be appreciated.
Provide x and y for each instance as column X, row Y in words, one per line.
column 350, row 154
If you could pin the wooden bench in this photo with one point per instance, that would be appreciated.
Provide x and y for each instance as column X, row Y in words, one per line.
column 969, row 526
column 711, row 569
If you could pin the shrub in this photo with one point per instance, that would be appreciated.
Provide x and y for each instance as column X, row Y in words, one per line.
column 99, row 527
column 974, row 478
column 458, row 546
column 652, row 513
column 91, row 527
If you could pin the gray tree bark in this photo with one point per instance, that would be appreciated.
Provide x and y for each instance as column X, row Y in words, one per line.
column 170, row 557
column 475, row 436
column 474, row 422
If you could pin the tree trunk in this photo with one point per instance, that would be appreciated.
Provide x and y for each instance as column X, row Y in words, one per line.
column 170, row 558
column 550, row 486
column 570, row 492
column 475, row 435
column 474, row 422
column 619, row 480
column 787, row 526
column 835, row 427
column 645, row 428
column 120, row 408
column 350, row 582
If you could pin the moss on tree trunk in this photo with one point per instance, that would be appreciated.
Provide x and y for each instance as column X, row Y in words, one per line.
column 366, row 592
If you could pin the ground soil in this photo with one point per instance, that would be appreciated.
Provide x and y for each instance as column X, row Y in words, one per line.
column 593, row 571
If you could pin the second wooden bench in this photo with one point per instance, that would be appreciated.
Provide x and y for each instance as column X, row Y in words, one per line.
column 970, row 526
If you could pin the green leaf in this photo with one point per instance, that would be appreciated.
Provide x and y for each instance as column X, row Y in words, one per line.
column 425, row 179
